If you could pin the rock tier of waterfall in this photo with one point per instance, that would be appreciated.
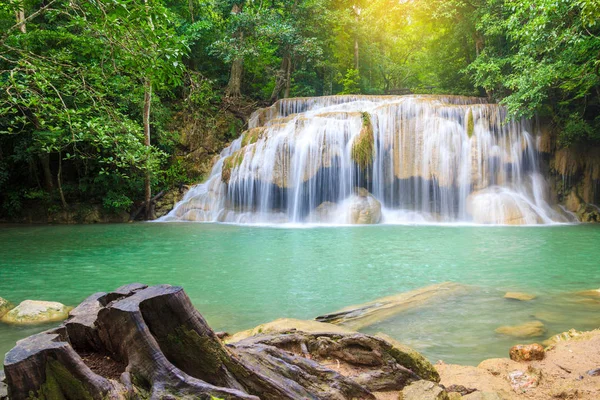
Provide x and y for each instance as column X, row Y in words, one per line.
column 377, row 159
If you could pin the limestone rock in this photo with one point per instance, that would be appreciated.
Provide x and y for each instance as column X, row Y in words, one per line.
column 527, row 352
column 519, row 296
column 573, row 201
column 496, row 205
column 588, row 213
column 483, row 396
column 364, row 208
column 528, row 329
column 36, row 312
column 454, row 396
column 562, row 337
column 423, row 390
column 5, row 306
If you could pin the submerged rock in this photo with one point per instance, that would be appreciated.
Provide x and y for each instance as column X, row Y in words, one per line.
column 5, row 306
column 36, row 312
column 423, row 390
column 362, row 315
column 527, row 352
column 528, row 329
column 519, row 296
column 590, row 293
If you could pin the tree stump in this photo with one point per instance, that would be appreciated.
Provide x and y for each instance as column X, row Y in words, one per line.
column 149, row 342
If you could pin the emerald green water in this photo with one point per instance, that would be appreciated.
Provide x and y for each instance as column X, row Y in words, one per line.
column 240, row 276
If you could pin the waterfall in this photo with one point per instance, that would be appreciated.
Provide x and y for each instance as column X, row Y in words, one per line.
column 371, row 159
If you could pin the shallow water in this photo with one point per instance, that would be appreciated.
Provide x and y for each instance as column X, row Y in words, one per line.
column 241, row 276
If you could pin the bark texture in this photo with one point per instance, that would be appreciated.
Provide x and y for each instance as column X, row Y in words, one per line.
column 142, row 342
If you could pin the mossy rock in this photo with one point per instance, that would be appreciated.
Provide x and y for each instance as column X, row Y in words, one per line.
column 36, row 312
column 411, row 359
column 252, row 135
column 363, row 147
column 5, row 306
column 231, row 162
column 470, row 123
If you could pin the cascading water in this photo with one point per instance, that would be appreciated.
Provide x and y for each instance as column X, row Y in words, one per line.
column 368, row 159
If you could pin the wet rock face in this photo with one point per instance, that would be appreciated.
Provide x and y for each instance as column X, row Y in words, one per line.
column 527, row 352
column 36, row 312
column 364, row 208
column 149, row 342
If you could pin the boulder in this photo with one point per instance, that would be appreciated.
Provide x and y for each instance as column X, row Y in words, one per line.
column 364, row 208
column 528, row 329
column 423, row 390
column 527, row 352
column 519, row 296
column 497, row 205
column 36, row 312
column 5, row 306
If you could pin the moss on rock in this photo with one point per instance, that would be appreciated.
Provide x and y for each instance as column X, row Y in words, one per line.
column 470, row 123
column 363, row 148
column 252, row 135
column 231, row 162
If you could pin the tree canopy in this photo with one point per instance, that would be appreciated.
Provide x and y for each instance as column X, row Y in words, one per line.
column 90, row 89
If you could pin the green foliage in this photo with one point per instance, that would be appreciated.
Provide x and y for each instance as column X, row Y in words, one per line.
column 543, row 56
column 363, row 147
column 350, row 82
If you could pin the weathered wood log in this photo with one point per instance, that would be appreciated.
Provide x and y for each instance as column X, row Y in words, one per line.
column 150, row 342
column 363, row 315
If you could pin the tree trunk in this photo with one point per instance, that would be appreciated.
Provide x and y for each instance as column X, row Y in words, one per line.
column 48, row 181
column 20, row 13
column 59, row 181
column 288, row 79
column 280, row 79
column 147, row 186
column 356, row 53
column 234, row 87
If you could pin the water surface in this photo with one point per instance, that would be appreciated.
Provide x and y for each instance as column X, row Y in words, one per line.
column 241, row 276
